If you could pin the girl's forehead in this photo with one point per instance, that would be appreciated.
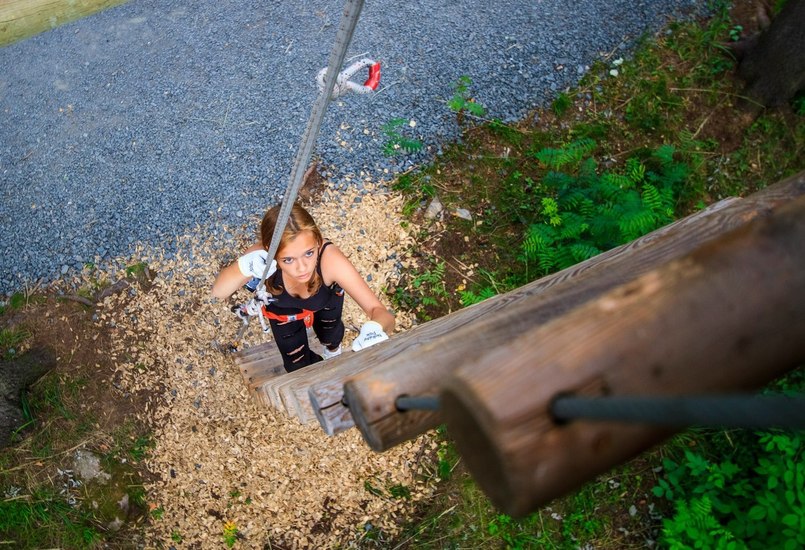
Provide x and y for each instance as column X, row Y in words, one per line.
column 301, row 243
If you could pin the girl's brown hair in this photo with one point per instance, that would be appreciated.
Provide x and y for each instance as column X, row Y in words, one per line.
column 299, row 220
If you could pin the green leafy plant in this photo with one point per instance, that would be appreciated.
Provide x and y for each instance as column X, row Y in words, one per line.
column 462, row 102
column 45, row 520
column 513, row 533
column 561, row 104
column 585, row 213
column 230, row 533
column 425, row 289
column 136, row 270
column 396, row 141
column 469, row 297
column 400, row 491
column 751, row 497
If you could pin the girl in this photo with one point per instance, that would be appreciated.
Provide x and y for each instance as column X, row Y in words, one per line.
column 307, row 290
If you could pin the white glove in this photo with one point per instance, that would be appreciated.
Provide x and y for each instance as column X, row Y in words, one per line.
column 371, row 334
column 254, row 263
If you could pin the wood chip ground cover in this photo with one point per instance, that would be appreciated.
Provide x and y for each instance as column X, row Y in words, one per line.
column 218, row 459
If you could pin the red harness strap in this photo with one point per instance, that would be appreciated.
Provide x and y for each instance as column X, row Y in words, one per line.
column 305, row 315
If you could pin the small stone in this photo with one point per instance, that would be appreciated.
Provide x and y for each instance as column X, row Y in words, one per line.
column 464, row 214
column 434, row 209
column 64, row 269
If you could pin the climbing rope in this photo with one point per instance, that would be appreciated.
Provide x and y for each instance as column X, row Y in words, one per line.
column 331, row 85
column 723, row 411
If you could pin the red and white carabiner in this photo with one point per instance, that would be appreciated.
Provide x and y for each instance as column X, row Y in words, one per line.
column 343, row 84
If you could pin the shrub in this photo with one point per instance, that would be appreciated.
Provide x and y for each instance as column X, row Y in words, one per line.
column 584, row 213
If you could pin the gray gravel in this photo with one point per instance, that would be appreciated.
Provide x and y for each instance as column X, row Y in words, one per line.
column 149, row 119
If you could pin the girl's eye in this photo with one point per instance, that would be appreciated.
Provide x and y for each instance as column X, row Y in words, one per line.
column 287, row 260
column 309, row 253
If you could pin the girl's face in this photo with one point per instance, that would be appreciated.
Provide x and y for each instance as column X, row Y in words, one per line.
column 297, row 259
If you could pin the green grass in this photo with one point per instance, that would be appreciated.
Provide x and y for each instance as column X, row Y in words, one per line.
column 10, row 341
column 44, row 520
column 35, row 512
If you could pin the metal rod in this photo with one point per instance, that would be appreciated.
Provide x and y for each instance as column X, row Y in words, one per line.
column 728, row 411
column 417, row 403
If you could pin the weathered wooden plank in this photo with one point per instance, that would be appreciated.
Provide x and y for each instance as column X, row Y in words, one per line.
column 326, row 392
column 249, row 353
column 21, row 19
column 730, row 316
column 414, row 363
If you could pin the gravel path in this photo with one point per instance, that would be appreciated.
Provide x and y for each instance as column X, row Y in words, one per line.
column 147, row 120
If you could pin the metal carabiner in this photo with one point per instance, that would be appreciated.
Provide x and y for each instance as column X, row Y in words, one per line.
column 343, row 84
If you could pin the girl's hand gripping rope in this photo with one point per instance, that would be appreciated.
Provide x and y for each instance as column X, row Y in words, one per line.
column 254, row 263
column 371, row 333
column 343, row 84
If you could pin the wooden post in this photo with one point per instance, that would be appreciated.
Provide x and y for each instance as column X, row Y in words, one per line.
column 416, row 362
column 728, row 317
column 23, row 18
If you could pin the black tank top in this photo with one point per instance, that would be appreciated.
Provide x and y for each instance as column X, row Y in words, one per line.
column 285, row 304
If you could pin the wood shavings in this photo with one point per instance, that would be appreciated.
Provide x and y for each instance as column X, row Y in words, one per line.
column 217, row 456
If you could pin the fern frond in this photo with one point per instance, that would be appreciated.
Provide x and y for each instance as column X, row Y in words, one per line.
column 539, row 237
column 635, row 170
column 557, row 180
column 652, row 198
column 577, row 150
column 612, row 184
column 564, row 258
column 636, row 223
column 583, row 251
column 552, row 158
column 573, row 226
column 664, row 154
column 546, row 260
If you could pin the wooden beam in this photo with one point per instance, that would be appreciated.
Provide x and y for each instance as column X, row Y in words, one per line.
column 328, row 397
column 21, row 19
column 728, row 317
column 415, row 363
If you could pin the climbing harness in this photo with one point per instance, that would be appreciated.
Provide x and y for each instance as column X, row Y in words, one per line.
column 305, row 315
column 327, row 84
column 343, row 84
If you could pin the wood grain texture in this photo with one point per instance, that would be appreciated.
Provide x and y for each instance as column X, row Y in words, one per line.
column 729, row 316
column 21, row 19
column 416, row 363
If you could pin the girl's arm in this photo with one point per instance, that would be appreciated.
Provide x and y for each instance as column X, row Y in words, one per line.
column 335, row 267
column 230, row 279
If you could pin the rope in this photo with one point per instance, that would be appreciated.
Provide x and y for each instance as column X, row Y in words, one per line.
column 346, row 29
column 349, row 21
column 728, row 411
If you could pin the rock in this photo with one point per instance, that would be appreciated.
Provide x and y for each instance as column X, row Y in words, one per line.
column 87, row 466
column 464, row 214
column 435, row 209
